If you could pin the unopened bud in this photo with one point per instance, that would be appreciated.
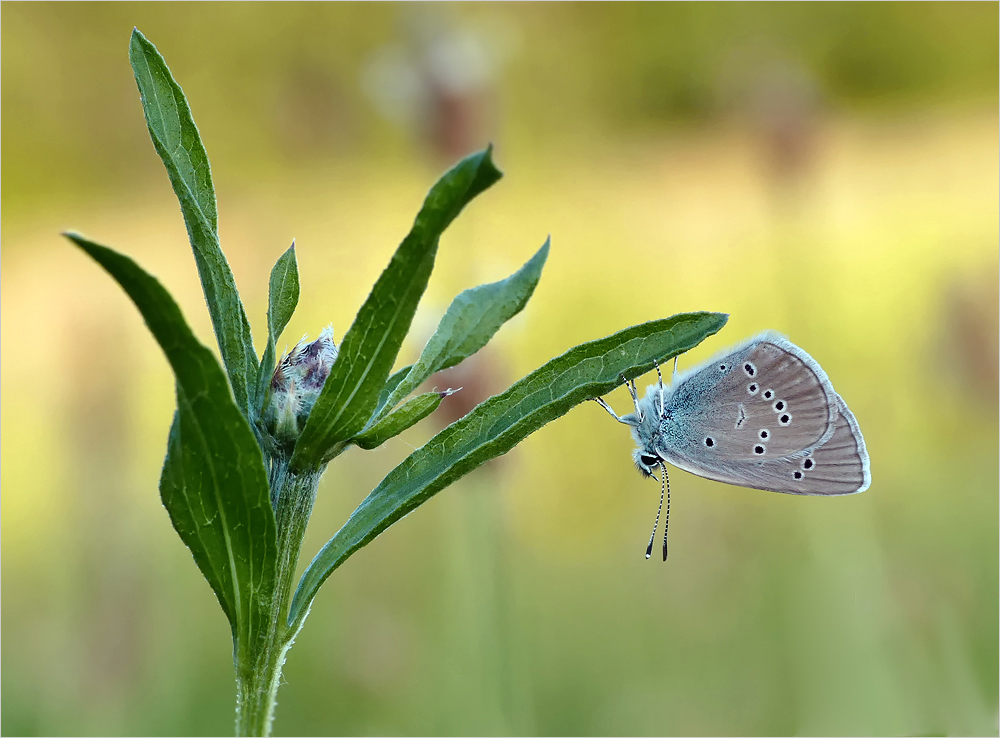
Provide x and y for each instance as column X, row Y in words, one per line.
column 296, row 384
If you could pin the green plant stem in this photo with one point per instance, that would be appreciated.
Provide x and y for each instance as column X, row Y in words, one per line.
column 258, row 666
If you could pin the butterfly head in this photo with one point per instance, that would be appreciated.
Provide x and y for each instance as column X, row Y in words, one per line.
column 645, row 462
column 650, row 412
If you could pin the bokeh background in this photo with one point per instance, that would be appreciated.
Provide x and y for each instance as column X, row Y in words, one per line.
column 826, row 170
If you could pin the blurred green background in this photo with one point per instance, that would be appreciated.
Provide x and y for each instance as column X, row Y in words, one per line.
column 829, row 171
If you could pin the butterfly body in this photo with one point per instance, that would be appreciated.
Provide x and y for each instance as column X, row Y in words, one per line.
column 763, row 414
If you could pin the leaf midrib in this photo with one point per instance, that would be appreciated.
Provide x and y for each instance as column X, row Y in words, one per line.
column 225, row 524
column 187, row 499
column 173, row 153
column 374, row 355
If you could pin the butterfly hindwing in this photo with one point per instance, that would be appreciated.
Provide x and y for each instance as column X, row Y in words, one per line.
column 840, row 466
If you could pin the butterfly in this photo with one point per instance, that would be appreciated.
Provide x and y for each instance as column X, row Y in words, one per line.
column 762, row 414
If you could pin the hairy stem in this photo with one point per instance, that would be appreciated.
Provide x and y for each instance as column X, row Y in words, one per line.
column 258, row 666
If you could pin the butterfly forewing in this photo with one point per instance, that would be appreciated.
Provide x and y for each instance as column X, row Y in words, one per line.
column 767, row 399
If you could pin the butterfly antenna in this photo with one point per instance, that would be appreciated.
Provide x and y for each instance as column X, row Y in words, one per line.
column 666, row 519
column 660, row 376
column 652, row 537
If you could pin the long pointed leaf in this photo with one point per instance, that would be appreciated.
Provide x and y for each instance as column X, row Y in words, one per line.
column 176, row 139
column 371, row 344
column 471, row 321
column 213, row 484
column 497, row 425
column 390, row 384
column 405, row 416
column 282, row 297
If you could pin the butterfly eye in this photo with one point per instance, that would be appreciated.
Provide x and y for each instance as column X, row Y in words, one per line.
column 648, row 460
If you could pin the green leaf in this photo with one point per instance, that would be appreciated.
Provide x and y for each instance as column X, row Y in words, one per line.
column 371, row 344
column 179, row 145
column 390, row 384
column 497, row 425
column 282, row 297
column 213, row 483
column 409, row 413
column 470, row 322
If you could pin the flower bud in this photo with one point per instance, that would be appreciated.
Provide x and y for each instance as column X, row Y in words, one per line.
column 295, row 386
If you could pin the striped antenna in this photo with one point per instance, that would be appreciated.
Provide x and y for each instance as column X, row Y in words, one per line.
column 663, row 487
column 666, row 519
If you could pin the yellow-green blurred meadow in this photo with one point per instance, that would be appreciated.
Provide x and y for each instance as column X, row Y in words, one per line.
column 829, row 171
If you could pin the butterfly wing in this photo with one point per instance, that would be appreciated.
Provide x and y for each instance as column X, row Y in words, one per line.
column 818, row 451
column 838, row 466
column 767, row 398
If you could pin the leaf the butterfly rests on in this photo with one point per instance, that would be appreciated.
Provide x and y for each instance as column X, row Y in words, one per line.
column 497, row 425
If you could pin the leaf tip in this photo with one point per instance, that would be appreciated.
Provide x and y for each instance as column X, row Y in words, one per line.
column 487, row 164
column 539, row 258
column 135, row 46
column 75, row 237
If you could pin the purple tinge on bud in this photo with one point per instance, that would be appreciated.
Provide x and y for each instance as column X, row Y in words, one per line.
column 296, row 384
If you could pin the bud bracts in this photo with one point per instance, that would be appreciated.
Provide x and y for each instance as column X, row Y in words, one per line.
column 296, row 384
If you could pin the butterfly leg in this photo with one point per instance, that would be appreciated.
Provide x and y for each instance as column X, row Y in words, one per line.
column 600, row 401
column 662, row 405
column 635, row 396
